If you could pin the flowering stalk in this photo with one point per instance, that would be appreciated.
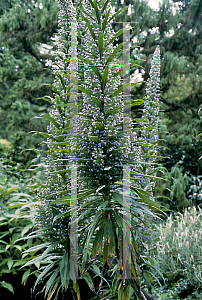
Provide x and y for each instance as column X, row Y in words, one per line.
column 147, row 153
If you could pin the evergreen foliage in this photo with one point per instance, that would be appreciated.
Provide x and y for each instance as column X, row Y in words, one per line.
column 25, row 28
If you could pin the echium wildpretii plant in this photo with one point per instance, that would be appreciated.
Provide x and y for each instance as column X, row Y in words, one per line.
column 150, row 118
column 147, row 153
column 99, row 151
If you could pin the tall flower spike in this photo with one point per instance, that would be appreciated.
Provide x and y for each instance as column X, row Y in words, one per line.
column 150, row 118
column 149, row 135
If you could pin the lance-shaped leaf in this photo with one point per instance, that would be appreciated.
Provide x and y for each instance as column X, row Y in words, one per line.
column 100, row 44
column 93, row 67
column 84, row 91
column 104, row 78
column 47, row 98
column 89, row 27
column 93, row 226
column 122, row 70
column 53, row 121
column 112, row 245
column 116, row 50
column 76, row 289
column 63, row 200
column 89, row 281
column 105, row 254
column 51, row 282
column 116, row 35
column 117, row 13
column 122, row 88
column 97, row 244
column 97, row 101
column 104, row 7
column 99, row 125
column 95, row 139
column 44, row 135
column 107, row 230
column 104, row 24
column 96, row 11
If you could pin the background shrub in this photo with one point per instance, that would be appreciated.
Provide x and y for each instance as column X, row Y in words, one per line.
column 17, row 197
column 178, row 249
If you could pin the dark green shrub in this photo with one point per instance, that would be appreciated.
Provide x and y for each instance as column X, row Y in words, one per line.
column 17, row 196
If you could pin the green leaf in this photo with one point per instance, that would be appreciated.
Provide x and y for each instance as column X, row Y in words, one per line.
column 199, row 136
column 63, row 200
column 32, row 261
column 100, row 44
column 91, row 64
column 112, row 245
column 25, row 276
column 45, row 271
column 117, row 13
column 116, row 50
column 122, row 70
column 90, row 233
column 7, row 286
column 18, row 247
column 46, row 98
column 84, row 90
column 37, row 247
column 52, row 120
column 26, row 228
column 11, row 189
column 147, row 280
column 76, row 289
column 116, row 35
column 97, row 101
column 94, row 138
column 97, row 12
column 89, row 26
column 55, row 89
column 83, row 195
column 120, row 89
column 104, row 7
column 107, row 230
column 111, row 112
column 88, row 279
column 58, row 104
column 99, row 125
column 97, row 243
column 117, row 196
column 105, row 254
column 149, row 276
column 9, row 263
column 104, row 24
column 60, row 136
column 51, row 282
column 100, row 188
column 125, row 51
column 64, row 270
column 104, row 78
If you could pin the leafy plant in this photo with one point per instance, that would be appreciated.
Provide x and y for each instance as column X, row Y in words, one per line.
column 17, row 196
column 178, row 247
column 16, row 220
column 101, row 153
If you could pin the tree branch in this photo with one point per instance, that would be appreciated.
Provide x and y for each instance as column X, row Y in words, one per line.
column 28, row 48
